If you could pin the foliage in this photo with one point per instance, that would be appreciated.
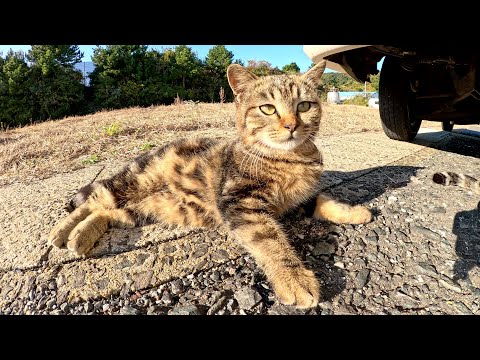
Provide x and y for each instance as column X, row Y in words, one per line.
column 357, row 100
column 262, row 68
column 44, row 84
column 146, row 146
column 344, row 82
column 46, row 88
column 113, row 129
column 291, row 68
column 92, row 159
column 16, row 101
column 216, row 63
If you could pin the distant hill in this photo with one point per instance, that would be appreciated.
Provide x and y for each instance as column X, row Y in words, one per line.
column 86, row 68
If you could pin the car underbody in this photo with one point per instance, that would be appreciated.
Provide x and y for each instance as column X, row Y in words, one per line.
column 443, row 80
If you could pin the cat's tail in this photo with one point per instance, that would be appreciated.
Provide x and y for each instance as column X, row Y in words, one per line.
column 457, row 179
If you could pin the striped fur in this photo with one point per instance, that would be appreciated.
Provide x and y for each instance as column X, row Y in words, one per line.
column 457, row 179
column 246, row 185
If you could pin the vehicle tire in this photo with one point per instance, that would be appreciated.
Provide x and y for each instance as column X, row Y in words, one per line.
column 396, row 102
column 446, row 126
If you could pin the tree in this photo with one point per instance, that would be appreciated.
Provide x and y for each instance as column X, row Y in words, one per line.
column 16, row 103
column 216, row 63
column 374, row 81
column 291, row 68
column 48, row 55
column 56, row 86
column 262, row 68
column 219, row 58
column 119, row 75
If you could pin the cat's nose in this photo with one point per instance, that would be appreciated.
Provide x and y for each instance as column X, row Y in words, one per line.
column 291, row 127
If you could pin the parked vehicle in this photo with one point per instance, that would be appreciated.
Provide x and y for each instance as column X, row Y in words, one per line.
column 436, row 83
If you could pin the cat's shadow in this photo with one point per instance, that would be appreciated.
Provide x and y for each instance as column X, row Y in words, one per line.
column 318, row 241
column 466, row 225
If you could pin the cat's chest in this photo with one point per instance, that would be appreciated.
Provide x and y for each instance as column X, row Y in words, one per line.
column 296, row 186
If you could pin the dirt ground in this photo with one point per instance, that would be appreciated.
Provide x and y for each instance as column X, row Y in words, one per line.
column 419, row 255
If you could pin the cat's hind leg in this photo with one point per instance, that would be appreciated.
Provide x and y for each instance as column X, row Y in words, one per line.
column 59, row 234
column 329, row 209
column 84, row 225
column 83, row 237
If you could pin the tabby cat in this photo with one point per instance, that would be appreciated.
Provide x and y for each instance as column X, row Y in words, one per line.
column 462, row 180
column 246, row 185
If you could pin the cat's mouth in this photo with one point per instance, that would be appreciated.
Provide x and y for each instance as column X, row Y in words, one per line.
column 288, row 142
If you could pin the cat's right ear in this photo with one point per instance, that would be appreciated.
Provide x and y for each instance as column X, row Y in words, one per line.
column 238, row 77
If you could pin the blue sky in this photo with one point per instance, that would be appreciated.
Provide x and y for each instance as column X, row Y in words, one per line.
column 277, row 55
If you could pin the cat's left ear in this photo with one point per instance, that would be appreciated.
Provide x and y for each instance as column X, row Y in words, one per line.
column 238, row 77
column 315, row 73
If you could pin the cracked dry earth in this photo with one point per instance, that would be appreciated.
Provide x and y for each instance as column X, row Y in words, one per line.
column 420, row 254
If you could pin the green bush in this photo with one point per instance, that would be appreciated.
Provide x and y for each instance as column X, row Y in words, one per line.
column 357, row 100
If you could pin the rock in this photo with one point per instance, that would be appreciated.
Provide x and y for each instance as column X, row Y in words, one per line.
column 424, row 232
column 200, row 250
column 450, row 285
column 215, row 276
column 335, row 229
column 177, row 286
column 98, row 306
column 247, row 298
column 219, row 304
column 340, row 265
column 426, row 269
column 31, row 295
column 280, row 309
column 128, row 310
column 379, row 231
column 169, row 249
column 64, row 307
column 51, row 303
column 323, row 248
column 391, row 199
column 405, row 301
column 462, row 308
column 357, row 299
column 220, row 256
column 42, row 304
column 439, row 210
column 372, row 236
column 361, row 278
column 105, row 307
column 88, row 307
column 166, row 298
column 186, row 310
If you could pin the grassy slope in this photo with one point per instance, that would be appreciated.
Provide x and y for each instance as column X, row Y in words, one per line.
column 52, row 147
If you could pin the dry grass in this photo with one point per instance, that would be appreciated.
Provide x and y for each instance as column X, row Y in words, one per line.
column 52, row 147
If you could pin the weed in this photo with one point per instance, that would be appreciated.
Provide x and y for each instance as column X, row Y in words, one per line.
column 92, row 159
column 146, row 146
column 113, row 129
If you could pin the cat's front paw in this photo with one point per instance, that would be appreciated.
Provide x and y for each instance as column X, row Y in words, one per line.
column 360, row 215
column 297, row 287
column 58, row 236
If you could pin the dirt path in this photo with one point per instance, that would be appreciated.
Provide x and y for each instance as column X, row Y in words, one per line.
column 419, row 255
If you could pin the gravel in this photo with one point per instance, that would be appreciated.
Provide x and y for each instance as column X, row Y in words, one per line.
column 247, row 298
column 406, row 261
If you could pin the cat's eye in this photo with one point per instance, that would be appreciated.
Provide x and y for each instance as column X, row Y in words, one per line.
column 303, row 106
column 268, row 109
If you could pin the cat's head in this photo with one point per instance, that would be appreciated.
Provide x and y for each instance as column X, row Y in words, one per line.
column 276, row 112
